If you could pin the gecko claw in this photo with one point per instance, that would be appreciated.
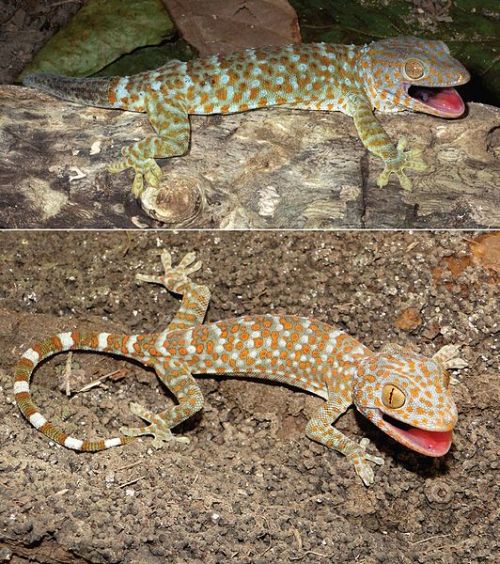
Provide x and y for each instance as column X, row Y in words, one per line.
column 411, row 159
column 145, row 170
column 175, row 277
column 360, row 459
column 161, row 433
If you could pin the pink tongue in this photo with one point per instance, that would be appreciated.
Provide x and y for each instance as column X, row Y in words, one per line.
column 447, row 100
column 436, row 443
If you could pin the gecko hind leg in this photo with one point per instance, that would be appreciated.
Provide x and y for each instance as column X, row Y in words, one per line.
column 177, row 378
column 171, row 125
column 157, row 427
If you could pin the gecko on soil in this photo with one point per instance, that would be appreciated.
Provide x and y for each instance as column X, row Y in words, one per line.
column 391, row 75
column 403, row 393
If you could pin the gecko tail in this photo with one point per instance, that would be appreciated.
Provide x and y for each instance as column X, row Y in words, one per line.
column 62, row 342
column 88, row 91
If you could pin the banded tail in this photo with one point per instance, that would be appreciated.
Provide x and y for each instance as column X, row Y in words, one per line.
column 63, row 342
column 89, row 91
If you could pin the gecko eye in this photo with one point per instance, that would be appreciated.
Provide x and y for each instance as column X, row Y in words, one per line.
column 393, row 397
column 446, row 378
column 414, row 69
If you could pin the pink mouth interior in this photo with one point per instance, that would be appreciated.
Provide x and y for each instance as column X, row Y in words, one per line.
column 431, row 443
column 434, row 443
column 446, row 101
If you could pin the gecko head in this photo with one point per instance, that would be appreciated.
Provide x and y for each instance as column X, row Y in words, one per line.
column 407, row 396
column 408, row 73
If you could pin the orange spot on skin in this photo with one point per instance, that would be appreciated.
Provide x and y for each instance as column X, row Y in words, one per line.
column 221, row 94
column 25, row 363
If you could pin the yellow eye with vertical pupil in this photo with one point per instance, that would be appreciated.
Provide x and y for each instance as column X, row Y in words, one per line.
column 393, row 397
column 414, row 69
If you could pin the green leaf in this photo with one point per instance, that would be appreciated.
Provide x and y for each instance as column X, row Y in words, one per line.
column 100, row 32
column 148, row 58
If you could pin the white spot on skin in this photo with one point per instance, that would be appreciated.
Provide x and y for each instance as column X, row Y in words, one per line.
column 66, row 340
column 38, row 420
column 108, row 443
column 130, row 344
column 32, row 355
column 102, row 341
column 75, row 444
column 121, row 91
column 20, row 387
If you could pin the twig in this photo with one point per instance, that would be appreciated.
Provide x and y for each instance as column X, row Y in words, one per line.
column 428, row 539
column 130, row 482
column 298, row 538
column 129, row 466
column 67, row 374
column 97, row 382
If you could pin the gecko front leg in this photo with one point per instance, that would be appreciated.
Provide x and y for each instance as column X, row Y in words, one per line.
column 375, row 139
column 195, row 297
column 319, row 428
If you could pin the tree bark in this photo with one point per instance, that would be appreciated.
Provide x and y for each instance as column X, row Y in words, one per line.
column 272, row 168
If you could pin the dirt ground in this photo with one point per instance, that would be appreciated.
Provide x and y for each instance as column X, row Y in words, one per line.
column 250, row 487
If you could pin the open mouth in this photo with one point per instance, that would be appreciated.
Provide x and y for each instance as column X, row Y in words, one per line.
column 445, row 102
column 430, row 443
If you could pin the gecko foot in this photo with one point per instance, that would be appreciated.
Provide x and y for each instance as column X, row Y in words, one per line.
column 411, row 159
column 158, row 428
column 145, row 169
column 361, row 458
column 175, row 278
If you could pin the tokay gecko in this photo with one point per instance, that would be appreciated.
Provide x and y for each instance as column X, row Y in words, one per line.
column 403, row 393
column 391, row 75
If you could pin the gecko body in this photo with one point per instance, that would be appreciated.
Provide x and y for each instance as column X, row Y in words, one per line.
column 403, row 393
column 391, row 75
